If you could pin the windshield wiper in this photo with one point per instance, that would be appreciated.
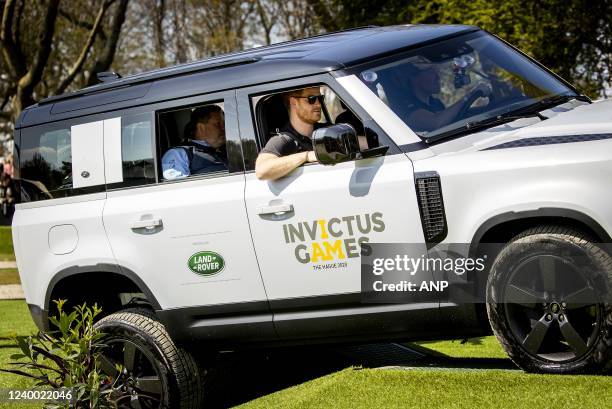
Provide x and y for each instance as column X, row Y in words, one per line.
column 549, row 102
column 474, row 126
column 529, row 111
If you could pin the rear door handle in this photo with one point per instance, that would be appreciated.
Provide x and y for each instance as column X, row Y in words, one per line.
column 146, row 224
column 276, row 209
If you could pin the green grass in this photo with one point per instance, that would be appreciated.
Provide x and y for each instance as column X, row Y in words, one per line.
column 442, row 389
column 6, row 244
column 486, row 347
column 430, row 388
column 9, row 276
column 439, row 388
column 14, row 320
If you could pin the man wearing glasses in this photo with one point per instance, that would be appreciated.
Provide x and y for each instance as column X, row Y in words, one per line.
column 292, row 147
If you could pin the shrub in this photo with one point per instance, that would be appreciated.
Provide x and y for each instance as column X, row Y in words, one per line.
column 67, row 358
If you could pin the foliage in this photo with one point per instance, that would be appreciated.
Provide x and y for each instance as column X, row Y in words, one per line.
column 571, row 37
column 68, row 358
column 48, row 46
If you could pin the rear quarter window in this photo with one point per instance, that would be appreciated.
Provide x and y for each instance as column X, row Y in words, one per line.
column 45, row 163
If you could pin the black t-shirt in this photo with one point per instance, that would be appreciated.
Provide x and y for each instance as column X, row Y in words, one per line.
column 288, row 142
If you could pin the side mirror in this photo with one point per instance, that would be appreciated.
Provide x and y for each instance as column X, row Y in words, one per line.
column 335, row 144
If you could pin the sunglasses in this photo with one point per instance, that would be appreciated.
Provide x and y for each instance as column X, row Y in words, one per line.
column 313, row 98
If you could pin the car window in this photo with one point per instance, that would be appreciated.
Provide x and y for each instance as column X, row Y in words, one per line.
column 45, row 163
column 273, row 116
column 137, row 150
column 442, row 86
column 193, row 142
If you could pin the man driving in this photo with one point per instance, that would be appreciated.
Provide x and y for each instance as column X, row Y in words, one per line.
column 292, row 147
column 423, row 111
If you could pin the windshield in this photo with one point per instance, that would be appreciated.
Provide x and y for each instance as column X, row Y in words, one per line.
column 442, row 87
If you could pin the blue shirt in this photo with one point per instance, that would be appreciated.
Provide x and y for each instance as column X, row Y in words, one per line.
column 175, row 162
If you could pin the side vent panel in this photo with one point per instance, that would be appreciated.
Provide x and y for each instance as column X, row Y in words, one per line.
column 431, row 207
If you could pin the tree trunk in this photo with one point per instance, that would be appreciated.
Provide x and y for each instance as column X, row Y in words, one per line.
column 107, row 55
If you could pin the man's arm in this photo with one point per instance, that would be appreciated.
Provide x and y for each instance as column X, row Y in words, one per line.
column 270, row 167
column 426, row 120
column 175, row 164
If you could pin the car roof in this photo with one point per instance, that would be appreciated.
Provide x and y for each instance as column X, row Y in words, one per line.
column 308, row 56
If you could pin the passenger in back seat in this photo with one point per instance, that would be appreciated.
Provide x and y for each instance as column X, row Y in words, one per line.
column 203, row 150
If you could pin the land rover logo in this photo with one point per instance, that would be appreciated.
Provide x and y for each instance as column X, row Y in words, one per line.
column 206, row 263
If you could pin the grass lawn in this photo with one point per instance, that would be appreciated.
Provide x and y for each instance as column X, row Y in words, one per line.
column 442, row 389
column 439, row 388
column 426, row 387
column 486, row 347
column 14, row 320
column 6, row 244
column 9, row 276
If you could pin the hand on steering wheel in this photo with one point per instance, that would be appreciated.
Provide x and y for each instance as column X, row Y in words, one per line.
column 481, row 90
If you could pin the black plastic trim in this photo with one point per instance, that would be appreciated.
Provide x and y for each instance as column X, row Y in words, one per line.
column 542, row 212
column 234, row 323
column 437, row 239
column 315, row 302
column 413, row 147
column 336, row 318
column 101, row 268
column 40, row 317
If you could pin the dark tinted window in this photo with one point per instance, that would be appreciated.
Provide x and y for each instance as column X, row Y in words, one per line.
column 45, row 163
column 45, row 159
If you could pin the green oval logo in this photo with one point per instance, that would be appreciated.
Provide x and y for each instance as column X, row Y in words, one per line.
column 206, row 263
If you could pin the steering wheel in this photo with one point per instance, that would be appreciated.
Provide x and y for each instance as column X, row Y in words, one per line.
column 468, row 104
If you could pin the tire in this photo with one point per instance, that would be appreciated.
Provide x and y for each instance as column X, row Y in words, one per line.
column 159, row 373
column 549, row 301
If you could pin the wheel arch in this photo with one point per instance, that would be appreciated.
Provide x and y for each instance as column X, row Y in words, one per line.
column 94, row 283
column 506, row 225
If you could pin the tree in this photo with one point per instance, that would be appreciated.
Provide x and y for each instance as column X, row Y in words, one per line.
column 45, row 47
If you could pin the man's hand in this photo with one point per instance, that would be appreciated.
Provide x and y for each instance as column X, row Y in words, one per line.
column 482, row 87
column 311, row 157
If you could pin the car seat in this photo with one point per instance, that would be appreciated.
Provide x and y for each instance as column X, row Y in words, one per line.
column 274, row 116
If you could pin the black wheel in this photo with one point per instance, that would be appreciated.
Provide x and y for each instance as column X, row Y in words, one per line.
column 548, row 301
column 155, row 372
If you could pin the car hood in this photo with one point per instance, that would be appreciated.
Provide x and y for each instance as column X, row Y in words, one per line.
column 573, row 122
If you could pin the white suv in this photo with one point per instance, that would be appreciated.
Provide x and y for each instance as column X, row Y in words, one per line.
column 456, row 137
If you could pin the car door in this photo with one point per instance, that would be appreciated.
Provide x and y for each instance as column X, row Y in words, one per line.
column 188, row 239
column 307, row 228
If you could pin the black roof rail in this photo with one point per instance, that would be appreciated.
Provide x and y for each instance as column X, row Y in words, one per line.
column 149, row 76
column 107, row 76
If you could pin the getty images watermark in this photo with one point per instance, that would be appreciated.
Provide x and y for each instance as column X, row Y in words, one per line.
column 455, row 273
column 402, row 273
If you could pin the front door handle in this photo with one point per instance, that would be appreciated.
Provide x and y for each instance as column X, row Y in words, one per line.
column 146, row 224
column 276, row 209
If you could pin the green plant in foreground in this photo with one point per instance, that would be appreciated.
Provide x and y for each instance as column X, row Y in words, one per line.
column 67, row 358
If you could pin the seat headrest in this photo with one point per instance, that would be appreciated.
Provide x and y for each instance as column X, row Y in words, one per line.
column 274, row 114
